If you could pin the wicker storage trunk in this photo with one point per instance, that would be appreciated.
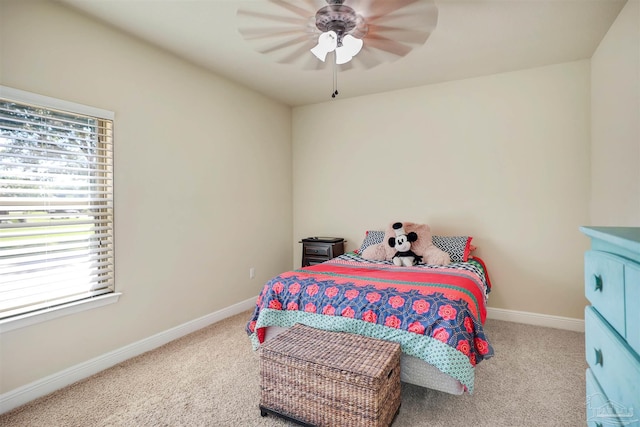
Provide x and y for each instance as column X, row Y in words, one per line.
column 320, row 378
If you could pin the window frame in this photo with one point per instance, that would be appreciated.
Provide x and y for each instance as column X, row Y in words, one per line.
column 81, row 304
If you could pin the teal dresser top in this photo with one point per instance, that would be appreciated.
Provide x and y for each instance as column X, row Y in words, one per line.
column 624, row 241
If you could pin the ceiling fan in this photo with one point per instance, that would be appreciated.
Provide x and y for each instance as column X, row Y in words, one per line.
column 344, row 33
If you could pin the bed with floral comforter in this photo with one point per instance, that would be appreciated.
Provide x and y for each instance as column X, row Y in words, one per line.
column 435, row 312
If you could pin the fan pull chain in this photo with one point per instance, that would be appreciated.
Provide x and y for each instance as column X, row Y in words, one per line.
column 335, row 79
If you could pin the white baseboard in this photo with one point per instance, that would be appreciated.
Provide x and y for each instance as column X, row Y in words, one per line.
column 51, row 383
column 536, row 319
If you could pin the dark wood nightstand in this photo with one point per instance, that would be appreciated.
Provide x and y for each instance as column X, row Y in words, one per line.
column 320, row 249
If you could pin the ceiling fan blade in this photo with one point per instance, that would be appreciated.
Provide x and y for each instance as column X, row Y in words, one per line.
column 296, row 54
column 387, row 45
column 287, row 43
column 268, row 28
column 263, row 33
column 402, row 35
column 398, row 27
column 422, row 15
column 247, row 20
column 293, row 8
column 270, row 17
column 378, row 8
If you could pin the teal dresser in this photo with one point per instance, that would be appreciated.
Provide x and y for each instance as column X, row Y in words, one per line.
column 612, row 326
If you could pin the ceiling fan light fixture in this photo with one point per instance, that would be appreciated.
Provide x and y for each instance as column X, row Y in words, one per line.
column 338, row 20
column 327, row 42
column 350, row 48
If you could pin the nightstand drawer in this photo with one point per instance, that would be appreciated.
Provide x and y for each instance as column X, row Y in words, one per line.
column 613, row 364
column 320, row 249
column 604, row 286
column 312, row 250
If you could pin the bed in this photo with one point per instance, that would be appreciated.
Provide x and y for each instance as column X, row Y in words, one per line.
column 435, row 312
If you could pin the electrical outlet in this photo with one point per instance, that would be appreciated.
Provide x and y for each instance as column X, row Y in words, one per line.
column 252, row 273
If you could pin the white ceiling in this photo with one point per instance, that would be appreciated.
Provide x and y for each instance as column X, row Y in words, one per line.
column 472, row 38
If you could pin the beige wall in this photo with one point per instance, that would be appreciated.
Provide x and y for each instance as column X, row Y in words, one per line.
column 503, row 158
column 615, row 124
column 192, row 152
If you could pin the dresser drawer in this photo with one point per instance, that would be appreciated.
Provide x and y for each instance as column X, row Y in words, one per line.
column 600, row 411
column 614, row 365
column 632, row 297
column 604, row 286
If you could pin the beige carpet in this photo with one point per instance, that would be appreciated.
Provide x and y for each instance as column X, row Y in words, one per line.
column 210, row 378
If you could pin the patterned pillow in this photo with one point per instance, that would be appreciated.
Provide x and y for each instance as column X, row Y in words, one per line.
column 458, row 247
column 372, row 237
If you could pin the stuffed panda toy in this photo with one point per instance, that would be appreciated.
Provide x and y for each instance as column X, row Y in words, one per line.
column 402, row 244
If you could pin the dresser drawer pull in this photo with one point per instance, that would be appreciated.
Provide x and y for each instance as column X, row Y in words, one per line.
column 599, row 360
column 598, row 280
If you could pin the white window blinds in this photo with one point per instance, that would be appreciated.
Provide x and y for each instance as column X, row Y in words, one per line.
column 56, row 202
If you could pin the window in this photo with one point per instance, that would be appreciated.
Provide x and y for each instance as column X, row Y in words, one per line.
column 56, row 203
